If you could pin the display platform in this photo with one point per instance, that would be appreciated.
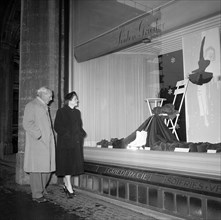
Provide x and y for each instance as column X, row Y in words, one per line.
column 178, row 184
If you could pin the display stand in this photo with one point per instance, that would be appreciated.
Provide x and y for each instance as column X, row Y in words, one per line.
column 154, row 102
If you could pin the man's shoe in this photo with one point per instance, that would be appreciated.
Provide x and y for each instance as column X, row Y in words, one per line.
column 40, row 200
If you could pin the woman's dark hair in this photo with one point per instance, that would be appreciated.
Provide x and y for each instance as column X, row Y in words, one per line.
column 69, row 97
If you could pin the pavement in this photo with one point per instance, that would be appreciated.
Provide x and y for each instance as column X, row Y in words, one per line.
column 16, row 202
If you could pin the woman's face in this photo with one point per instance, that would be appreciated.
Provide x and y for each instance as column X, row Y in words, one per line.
column 74, row 101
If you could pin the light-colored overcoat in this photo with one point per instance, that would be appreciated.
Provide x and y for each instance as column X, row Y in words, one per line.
column 39, row 144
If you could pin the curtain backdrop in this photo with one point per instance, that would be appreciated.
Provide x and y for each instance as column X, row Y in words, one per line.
column 111, row 92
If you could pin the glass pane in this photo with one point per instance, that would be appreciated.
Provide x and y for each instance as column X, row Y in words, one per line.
column 83, row 181
column 169, row 201
column 142, row 194
column 122, row 190
column 113, row 187
column 96, row 184
column 152, row 197
column 105, row 186
column 195, row 207
column 132, row 192
column 182, row 207
column 89, row 182
column 213, row 209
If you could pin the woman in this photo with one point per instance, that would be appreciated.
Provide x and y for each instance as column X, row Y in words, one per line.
column 70, row 135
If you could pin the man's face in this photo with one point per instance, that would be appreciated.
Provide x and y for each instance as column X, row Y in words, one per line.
column 46, row 97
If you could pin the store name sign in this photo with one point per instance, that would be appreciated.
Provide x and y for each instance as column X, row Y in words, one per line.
column 133, row 32
column 165, row 179
column 128, row 173
column 193, row 184
column 144, row 28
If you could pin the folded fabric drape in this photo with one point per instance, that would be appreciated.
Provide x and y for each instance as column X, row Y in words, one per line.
column 156, row 130
column 159, row 137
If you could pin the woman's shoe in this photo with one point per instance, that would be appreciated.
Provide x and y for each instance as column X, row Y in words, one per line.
column 68, row 194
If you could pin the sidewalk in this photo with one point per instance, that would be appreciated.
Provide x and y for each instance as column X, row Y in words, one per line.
column 83, row 206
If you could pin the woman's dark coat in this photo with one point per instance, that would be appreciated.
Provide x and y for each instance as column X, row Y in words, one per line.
column 70, row 135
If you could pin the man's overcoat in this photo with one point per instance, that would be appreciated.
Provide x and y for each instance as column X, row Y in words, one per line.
column 40, row 143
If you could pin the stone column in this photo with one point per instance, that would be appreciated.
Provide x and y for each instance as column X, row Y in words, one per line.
column 39, row 62
column 6, row 93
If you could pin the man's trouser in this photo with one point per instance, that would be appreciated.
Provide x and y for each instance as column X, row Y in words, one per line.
column 38, row 182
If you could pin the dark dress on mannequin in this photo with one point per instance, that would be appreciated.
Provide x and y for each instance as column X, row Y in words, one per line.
column 70, row 136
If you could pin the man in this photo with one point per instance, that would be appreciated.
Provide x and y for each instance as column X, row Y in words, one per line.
column 39, row 157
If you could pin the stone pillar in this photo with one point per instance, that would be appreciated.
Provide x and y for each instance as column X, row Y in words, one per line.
column 6, row 93
column 39, row 62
